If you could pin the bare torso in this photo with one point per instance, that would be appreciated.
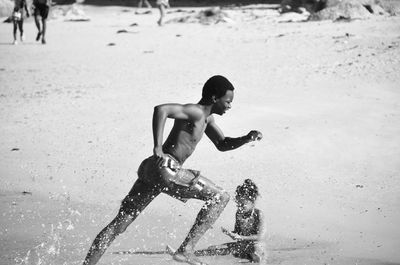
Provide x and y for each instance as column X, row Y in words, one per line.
column 184, row 137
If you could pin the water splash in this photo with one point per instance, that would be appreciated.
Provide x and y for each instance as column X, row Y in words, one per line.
column 45, row 253
column 53, row 249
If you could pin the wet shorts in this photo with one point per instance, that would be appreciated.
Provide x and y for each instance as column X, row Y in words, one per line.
column 41, row 10
column 171, row 179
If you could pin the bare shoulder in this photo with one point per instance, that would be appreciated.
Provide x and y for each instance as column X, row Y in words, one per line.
column 192, row 106
column 194, row 111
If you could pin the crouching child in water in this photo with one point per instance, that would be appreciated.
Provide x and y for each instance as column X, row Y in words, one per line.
column 248, row 231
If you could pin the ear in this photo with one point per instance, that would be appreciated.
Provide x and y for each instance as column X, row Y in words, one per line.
column 213, row 99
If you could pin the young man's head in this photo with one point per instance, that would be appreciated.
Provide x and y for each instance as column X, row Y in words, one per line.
column 218, row 91
column 246, row 195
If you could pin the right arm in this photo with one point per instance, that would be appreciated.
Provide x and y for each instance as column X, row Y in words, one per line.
column 173, row 111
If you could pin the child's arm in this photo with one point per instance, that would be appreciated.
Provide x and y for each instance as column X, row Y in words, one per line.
column 238, row 237
column 229, row 233
column 256, row 237
column 261, row 228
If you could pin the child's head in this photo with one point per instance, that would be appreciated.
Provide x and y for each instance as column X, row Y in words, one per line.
column 246, row 195
column 216, row 86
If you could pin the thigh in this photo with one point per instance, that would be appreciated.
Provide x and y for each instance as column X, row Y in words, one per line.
column 41, row 10
column 140, row 195
column 243, row 249
column 201, row 188
column 45, row 12
column 36, row 11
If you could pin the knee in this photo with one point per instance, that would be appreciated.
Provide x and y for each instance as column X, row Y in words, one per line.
column 119, row 228
column 225, row 197
column 121, row 224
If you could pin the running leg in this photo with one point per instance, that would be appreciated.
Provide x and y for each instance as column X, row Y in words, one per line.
column 216, row 199
column 134, row 203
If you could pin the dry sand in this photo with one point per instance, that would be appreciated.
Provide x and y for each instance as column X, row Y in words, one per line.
column 75, row 122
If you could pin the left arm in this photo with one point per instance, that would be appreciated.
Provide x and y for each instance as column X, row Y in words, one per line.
column 255, row 237
column 238, row 237
column 227, row 143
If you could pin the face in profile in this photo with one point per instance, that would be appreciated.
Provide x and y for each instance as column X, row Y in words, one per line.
column 223, row 103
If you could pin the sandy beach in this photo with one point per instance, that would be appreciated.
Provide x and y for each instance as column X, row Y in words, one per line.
column 75, row 123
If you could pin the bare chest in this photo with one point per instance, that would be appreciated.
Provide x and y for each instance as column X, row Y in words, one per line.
column 193, row 130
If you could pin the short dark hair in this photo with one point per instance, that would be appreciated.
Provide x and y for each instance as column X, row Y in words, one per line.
column 216, row 86
column 247, row 190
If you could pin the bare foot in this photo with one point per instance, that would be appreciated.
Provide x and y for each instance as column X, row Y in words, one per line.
column 187, row 257
column 255, row 258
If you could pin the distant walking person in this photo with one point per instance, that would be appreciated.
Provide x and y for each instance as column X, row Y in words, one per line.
column 41, row 8
column 18, row 18
column 145, row 2
column 162, row 5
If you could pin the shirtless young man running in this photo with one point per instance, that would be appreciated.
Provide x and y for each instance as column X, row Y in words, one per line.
column 163, row 172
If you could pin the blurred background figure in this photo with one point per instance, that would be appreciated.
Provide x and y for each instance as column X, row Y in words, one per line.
column 20, row 9
column 162, row 5
column 41, row 8
column 144, row 2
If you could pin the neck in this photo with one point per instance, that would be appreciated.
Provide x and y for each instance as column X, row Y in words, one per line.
column 207, row 106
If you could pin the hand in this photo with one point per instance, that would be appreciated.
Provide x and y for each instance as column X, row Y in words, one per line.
column 232, row 235
column 159, row 155
column 224, row 230
column 255, row 135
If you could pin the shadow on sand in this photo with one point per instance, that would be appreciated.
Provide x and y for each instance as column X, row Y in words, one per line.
column 201, row 252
